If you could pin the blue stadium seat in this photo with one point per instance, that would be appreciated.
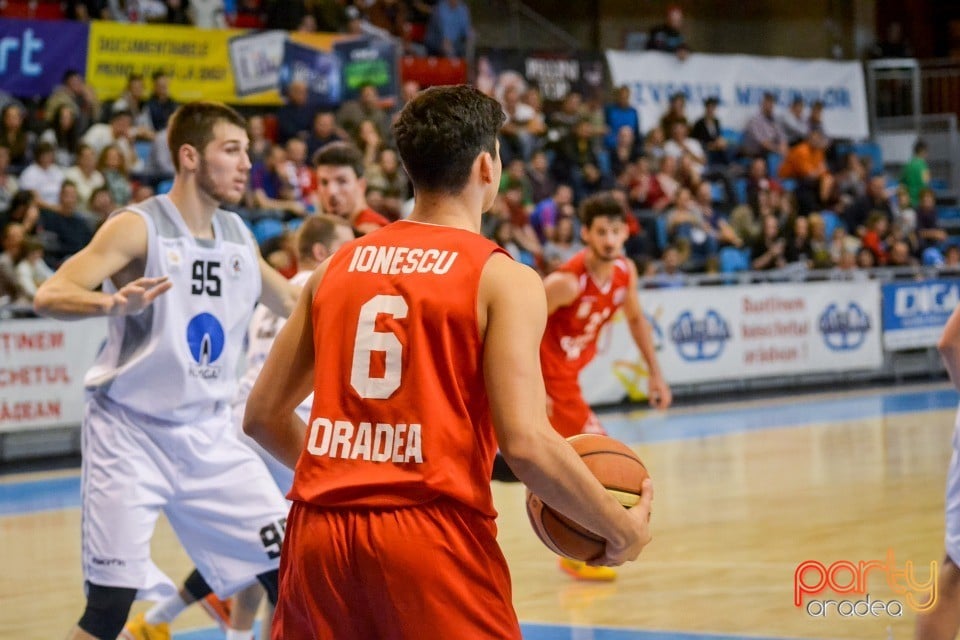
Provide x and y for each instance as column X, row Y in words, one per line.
column 662, row 239
column 164, row 186
column 830, row 222
column 872, row 151
column 740, row 189
column 789, row 184
column 733, row 260
column 733, row 137
column 774, row 160
column 717, row 193
column 143, row 149
column 266, row 228
column 294, row 224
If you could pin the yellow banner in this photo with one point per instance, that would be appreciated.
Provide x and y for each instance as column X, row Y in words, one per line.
column 235, row 66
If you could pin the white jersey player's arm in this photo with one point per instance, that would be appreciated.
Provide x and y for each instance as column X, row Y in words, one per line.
column 949, row 346
column 120, row 245
column 285, row 380
column 561, row 288
column 279, row 295
column 659, row 391
column 512, row 315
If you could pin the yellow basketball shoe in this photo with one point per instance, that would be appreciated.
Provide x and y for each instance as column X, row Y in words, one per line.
column 140, row 629
column 582, row 571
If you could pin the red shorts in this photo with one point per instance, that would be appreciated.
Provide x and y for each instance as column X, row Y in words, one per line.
column 431, row 571
column 568, row 412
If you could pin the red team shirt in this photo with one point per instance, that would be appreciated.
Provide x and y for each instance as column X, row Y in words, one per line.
column 369, row 216
column 570, row 342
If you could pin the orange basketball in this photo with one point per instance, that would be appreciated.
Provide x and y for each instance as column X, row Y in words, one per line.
column 617, row 468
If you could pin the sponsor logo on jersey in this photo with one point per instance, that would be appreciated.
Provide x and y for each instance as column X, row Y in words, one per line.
column 700, row 339
column 844, row 329
column 205, row 339
column 373, row 442
column 235, row 265
column 174, row 259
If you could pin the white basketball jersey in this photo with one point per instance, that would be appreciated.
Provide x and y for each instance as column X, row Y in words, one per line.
column 177, row 360
column 264, row 328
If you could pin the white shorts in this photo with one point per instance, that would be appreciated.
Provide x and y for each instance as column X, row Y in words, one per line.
column 282, row 474
column 952, row 542
column 216, row 493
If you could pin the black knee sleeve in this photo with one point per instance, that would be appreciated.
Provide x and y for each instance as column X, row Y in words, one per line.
column 271, row 583
column 107, row 610
column 196, row 586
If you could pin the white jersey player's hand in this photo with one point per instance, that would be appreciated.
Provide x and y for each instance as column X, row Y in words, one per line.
column 614, row 555
column 135, row 296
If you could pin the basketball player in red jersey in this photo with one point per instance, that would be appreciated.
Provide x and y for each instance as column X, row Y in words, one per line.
column 420, row 344
column 582, row 296
column 343, row 188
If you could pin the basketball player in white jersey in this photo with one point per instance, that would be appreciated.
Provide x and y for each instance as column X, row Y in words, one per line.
column 942, row 621
column 180, row 280
column 317, row 238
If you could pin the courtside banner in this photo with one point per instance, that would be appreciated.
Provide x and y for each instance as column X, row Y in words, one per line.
column 914, row 313
column 34, row 54
column 739, row 82
column 737, row 332
column 42, row 364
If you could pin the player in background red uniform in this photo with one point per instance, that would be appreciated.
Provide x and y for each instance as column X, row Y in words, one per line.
column 342, row 187
column 583, row 295
column 420, row 343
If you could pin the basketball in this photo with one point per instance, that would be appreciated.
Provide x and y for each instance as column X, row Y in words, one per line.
column 617, row 468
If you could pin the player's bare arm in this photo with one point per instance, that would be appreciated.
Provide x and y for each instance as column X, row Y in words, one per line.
column 660, row 395
column 561, row 288
column 278, row 294
column 117, row 251
column 513, row 314
column 285, row 380
column 949, row 347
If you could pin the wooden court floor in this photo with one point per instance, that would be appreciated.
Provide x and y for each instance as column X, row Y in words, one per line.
column 745, row 492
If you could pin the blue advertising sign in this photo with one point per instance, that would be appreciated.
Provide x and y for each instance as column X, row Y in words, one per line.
column 914, row 313
column 34, row 54
column 319, row 70
column 368, row 61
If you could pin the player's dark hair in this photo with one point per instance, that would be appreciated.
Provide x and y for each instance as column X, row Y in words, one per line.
column 600, row 205
column 193, row 124
column 440, row 133
column 316, row 229
column 339, row 154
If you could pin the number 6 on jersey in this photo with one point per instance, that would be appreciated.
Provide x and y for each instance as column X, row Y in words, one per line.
column 369, row 340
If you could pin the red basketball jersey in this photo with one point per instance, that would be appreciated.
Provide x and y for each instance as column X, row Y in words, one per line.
column 400, row 414
column 570, row 338
column 369, row 216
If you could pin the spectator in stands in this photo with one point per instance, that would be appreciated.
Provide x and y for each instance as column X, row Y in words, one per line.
column 798, row 248
column 653, row 145
column 449, row 32
column 763, row 134
column 876, row 199
column 295, row 118
column 547, row 212
column 113, row 166
column 668, row 273
column 708, row 132
column 542, row 183
column 577, row 162
column 8, row 182
column 668, row 37
column 390, row 16
column 951, row 258
column 134, row 100
column 806, row 163
column 65, row 231
column 851, row 179
column 300, row 175
column 370, row 142
column 794, row 125
column 14, row 241
column 100, row 206
column 271, row 188
column 259, row 142
column 23, row 210
column 139, row 11
column 367, row 107
column 531, row 249
column 44, row 176
column 391, row 180
column 523, row 127
column 324, row 132
column 717, row 225
column 563, row 120
column 667, row 179
column 916, row 173
column 63, row 135
column 564, row 244
column 178, row 11
column 929, row 231
column 687, row 229
column 625, row 152
column 86, row 10
column 618, row 114
column 900, row 256
column 905, row 215
column 78, row 94
column 31, row 270
column 160, row 105
column 841, row 242
column 204, row 14
column 815, row 120
column 769, row 248
column 874, row 236
column 514, row 173
column 14, row 135
column 681, row 146
column 118, row 133
column 676, row 112
column 249, row 15
column 643, row 188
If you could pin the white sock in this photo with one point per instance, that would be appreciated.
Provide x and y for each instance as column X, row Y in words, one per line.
column 236, row 634
column 166, row 610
